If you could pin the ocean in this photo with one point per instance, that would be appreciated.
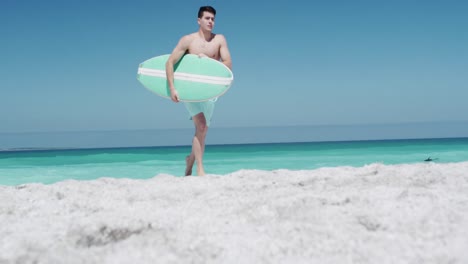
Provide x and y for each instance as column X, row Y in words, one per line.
column 20, row 166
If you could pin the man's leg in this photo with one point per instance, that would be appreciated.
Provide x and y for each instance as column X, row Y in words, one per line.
column 189, row 160
column 198, row 145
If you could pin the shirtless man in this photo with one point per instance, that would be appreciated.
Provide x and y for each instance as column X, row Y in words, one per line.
column 203, row 43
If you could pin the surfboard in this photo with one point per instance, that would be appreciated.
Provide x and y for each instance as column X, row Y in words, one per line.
column 196, row 79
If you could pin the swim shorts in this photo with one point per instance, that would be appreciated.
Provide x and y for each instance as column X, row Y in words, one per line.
column 206, row 108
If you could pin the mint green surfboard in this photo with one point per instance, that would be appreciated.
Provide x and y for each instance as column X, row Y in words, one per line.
column 195, row 79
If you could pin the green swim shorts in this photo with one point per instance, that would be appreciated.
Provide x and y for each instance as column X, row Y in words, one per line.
column 206, row 108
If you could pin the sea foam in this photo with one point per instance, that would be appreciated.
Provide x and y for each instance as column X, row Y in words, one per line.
column 373, row 214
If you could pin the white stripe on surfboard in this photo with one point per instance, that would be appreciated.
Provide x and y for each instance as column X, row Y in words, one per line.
column 187, row 76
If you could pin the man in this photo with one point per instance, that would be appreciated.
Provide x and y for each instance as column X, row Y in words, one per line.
column 203, row 43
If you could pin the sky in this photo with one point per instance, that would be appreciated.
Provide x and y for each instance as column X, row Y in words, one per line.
column 70, row 65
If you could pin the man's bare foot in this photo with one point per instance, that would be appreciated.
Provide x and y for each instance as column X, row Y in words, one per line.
column 200, row 172
column 189, row 165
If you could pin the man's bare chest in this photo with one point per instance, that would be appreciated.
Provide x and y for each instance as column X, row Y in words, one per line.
column 209, row 48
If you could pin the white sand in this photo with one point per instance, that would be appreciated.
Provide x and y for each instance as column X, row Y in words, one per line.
column 374, row 214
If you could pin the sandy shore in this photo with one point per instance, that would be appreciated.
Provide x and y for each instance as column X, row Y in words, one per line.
column 375, row 214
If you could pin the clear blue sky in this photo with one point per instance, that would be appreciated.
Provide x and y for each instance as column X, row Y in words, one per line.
column 71, row 65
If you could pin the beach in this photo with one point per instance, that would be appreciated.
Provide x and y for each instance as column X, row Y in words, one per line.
column 406, row 213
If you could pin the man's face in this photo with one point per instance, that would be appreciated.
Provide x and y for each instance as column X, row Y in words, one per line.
column 207, row 21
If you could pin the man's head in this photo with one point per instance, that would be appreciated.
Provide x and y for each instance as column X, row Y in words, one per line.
column 206, row 18
column 208, row 9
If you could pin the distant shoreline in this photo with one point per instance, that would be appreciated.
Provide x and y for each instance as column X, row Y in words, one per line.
column 71, row 149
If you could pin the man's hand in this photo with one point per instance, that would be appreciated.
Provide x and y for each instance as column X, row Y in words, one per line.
column 202, row 55
column 174, row 96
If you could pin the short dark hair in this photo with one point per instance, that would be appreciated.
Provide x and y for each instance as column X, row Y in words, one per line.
column 209, row 9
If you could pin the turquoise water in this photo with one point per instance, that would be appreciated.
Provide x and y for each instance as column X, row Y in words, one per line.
column 49, row 166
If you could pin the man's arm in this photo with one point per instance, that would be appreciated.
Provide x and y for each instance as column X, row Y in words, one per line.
column 175, row 56
column 224, row 53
